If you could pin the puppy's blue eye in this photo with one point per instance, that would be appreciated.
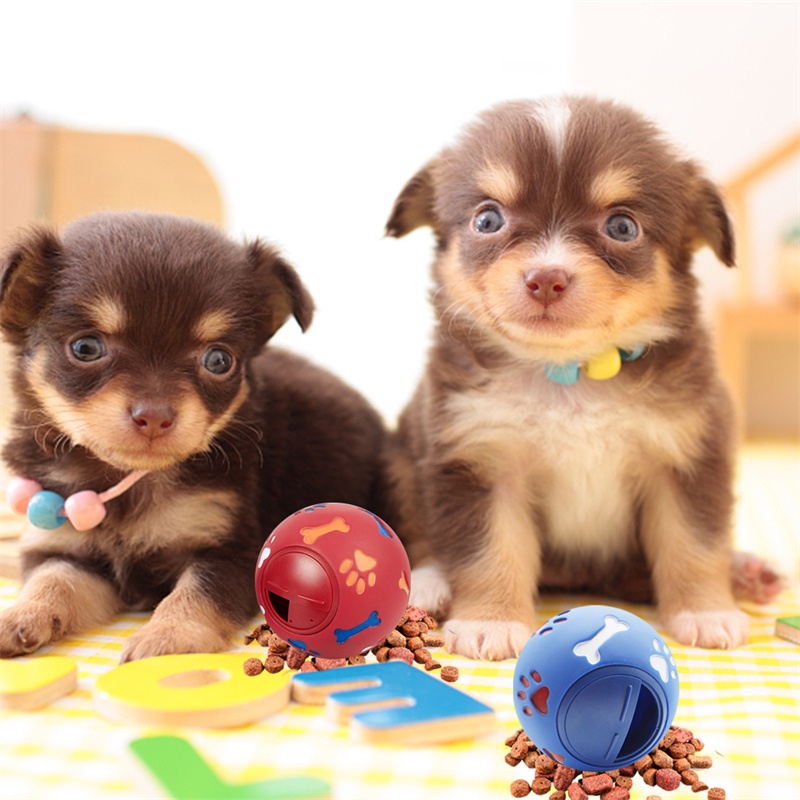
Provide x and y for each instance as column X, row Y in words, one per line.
column 88, row 348
column 622, row 228
column 490, row 220
column 217, row 361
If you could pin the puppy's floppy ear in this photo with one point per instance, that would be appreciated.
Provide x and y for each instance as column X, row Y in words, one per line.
column 413, row 207
column 26, row 277
column 282, row 288
column 711, row 221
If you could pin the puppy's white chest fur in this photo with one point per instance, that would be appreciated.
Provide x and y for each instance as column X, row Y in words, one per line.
column 572, row 456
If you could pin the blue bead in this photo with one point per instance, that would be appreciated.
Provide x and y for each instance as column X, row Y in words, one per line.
column 632, row 355
column 565, row 374
column 46, row 511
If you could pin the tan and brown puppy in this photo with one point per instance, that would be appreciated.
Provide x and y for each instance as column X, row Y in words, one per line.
column 139, row 344
column 571, row 429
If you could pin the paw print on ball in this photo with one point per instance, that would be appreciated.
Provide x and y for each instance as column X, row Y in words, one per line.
column 536, row 694
column 664, row 664
column 359, row 571
column 533, row 691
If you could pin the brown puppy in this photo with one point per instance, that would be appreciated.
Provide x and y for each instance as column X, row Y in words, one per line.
column 139, row 342
column 565, row 232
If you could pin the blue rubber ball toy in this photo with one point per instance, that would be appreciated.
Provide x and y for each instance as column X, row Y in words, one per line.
column 596, row 688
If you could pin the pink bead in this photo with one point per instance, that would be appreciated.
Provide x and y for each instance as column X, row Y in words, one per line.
column 19, row 493
column 85, row 510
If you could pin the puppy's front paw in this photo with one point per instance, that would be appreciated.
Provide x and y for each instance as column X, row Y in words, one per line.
column 430, row 590
column 755, row 579
column 26, row 627
column 713, row 629
column 485, row 639
column 160, row 638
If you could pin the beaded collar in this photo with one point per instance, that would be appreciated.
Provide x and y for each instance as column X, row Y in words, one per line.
column 599, row 368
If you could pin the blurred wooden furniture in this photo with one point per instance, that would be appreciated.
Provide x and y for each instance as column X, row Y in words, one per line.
column 758, row 342
column 56, row 174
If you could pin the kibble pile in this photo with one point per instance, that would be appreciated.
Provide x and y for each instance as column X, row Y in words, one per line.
column 409, row 642
column 672, row 764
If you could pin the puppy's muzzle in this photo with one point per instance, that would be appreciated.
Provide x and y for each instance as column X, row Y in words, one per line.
column 547, row 286
column 153, row 420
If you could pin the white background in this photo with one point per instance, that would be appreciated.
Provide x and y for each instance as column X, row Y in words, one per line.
column 312, row 114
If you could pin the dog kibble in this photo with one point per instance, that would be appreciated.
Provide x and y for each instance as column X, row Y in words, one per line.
column 519, row 749
column 276, row 644
column 413, row 629
column 422, row 655
column 563, row 777
column 394, row 647
column 545, row 765
column 449, row 674
column 616, row 784
column 716, row 794
column 597, row 784
column 396, row 639
column 541, row 785
column 253, row 666
column 617, row 793
column 682, row 735
column 661, row 760
column 530, row 759
column 701, row 762
column 295, row 658
column 323, row 664
column 649, row 776
column 401, row 654
column 689, row 777
column 679, row 750
column 520, row 788
column 643, row 764
column 575, row 792
column 274, row 664
column 667, row 779
column 432, row 639
column 681, row 765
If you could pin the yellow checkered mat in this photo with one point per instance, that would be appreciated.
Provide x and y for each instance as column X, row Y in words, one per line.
column 742, row 704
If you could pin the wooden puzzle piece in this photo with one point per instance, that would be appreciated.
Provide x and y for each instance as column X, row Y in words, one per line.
column 788, row 628
column 394, row 703
column 186, row 775
column 28, row 684
column 195, row 689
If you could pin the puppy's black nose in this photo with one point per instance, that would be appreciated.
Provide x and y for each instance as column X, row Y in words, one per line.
column 547, row 285
column 152, row 420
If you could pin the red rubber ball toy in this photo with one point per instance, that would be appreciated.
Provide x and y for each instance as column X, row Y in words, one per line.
column 333, row 580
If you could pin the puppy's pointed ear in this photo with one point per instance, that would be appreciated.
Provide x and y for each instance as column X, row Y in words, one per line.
column 413, row 207
column 283, row 291
column 26, row 277
column 712, row 224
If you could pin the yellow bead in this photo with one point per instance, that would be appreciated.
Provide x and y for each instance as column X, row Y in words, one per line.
column 604, row 366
